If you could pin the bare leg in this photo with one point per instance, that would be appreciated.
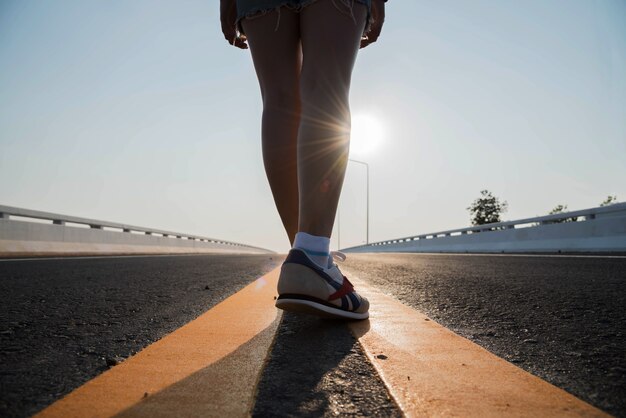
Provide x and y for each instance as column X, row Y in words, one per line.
column 277, row 60
column 330, row 43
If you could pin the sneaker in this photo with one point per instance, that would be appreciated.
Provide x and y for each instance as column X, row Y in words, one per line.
column 306, row 287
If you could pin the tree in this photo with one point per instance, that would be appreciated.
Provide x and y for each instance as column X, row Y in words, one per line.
column 609, row 200
column 486, row 209
column 561, row 209
column 558, row 209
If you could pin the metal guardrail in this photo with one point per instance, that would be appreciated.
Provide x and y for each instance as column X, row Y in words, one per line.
column 573, row 216
column 57, row 219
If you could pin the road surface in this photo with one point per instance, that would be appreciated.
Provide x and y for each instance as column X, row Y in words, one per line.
column 65, row 321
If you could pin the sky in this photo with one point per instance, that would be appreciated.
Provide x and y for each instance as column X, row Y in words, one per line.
column 138, row 111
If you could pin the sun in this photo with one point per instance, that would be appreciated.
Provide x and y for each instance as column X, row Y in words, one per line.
column 367, row 133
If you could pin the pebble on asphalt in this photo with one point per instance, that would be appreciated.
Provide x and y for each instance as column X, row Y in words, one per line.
column 113, row 361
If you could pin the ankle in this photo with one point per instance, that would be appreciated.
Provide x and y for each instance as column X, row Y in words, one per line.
column 316, row 247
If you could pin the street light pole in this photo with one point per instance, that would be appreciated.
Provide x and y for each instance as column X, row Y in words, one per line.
column 367, row 209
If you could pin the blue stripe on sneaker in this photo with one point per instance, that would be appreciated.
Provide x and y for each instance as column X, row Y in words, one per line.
column 330, row 281
column 311, row 252
column 355, row 301
column 298, row 256
column 344, row 303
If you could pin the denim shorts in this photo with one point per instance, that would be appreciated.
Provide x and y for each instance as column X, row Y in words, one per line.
column 250, row 9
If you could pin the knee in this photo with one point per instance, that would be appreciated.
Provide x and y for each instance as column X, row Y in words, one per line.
column 282, row 98
column 328, row 93
column 314, row 84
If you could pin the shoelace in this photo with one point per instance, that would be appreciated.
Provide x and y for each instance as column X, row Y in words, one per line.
column 338, row 255
column 347, row 286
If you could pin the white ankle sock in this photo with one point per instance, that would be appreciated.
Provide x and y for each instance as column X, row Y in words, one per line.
column 317, row 248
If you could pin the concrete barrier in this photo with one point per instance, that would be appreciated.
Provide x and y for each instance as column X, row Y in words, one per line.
column 22, row 234
column 600, row 229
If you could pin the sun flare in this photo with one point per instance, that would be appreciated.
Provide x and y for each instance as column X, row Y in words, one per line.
column 367, row 133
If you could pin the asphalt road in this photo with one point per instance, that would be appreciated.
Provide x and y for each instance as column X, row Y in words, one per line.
column 64, row 321
column 560, row 318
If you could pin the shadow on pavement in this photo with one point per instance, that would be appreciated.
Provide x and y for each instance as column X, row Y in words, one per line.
column 223, row 388
column 317, row 368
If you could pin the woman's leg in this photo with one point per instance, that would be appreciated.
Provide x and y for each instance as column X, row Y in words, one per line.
column 277, row 60
column 330, row 42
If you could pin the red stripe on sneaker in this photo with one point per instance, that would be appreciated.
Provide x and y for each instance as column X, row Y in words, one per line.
column 346, row 287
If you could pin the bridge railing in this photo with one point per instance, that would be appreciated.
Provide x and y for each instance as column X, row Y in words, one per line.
column 599, row 224
column 128, row 234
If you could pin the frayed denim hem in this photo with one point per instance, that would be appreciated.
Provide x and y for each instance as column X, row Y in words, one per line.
column 261, row 11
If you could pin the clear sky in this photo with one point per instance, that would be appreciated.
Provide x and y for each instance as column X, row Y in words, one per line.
column 138, row 111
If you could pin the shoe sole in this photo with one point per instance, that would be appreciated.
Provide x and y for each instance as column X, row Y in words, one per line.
column 317, row 309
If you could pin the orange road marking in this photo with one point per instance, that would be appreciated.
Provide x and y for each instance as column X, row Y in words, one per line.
column 208, row 367
column 431, row 371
